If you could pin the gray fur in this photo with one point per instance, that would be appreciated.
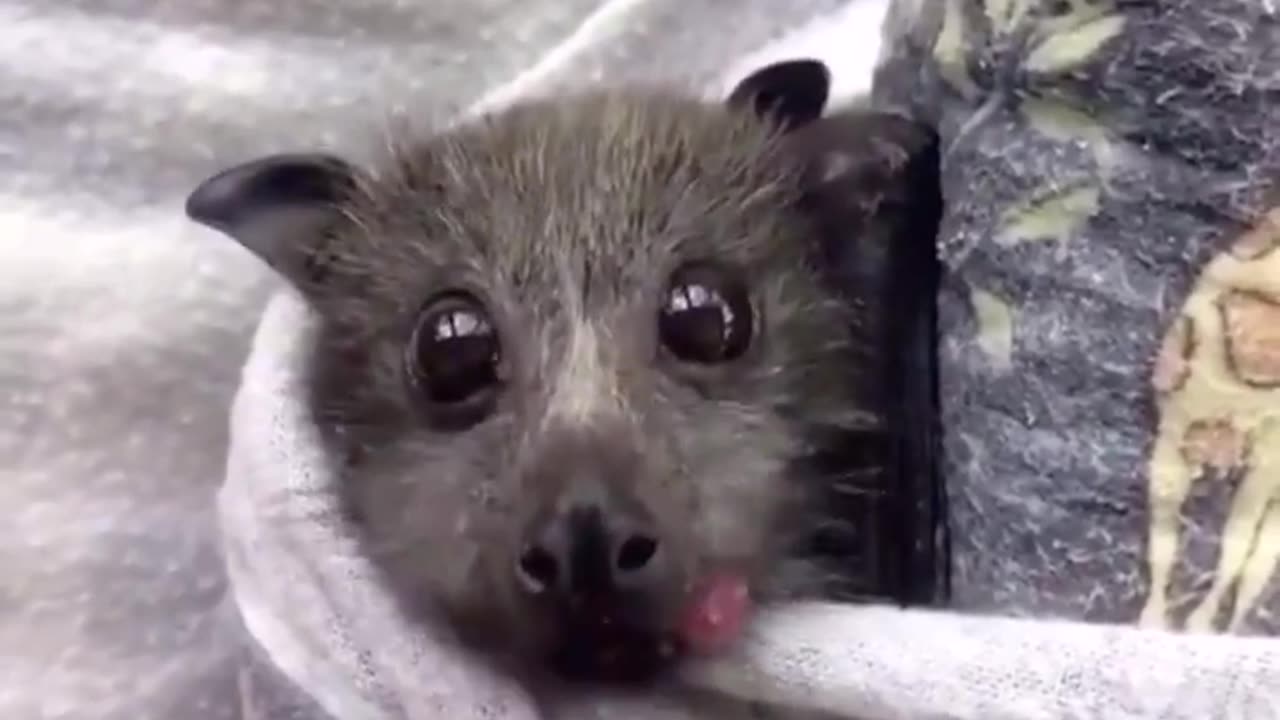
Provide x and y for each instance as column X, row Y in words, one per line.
column 566, row 215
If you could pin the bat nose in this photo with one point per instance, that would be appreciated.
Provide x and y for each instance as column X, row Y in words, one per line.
column 588, row 551
column 596, row 559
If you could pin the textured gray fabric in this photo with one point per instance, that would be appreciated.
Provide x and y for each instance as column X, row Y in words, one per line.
column 1110, row 355
column 123, row 326
column 878, row 663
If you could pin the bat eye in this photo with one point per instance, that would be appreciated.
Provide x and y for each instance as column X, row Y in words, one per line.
column 453, row 361
column 706, row 316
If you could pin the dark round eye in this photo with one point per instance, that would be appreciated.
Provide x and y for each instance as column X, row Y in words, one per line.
column 453, row 359
column 706, row 316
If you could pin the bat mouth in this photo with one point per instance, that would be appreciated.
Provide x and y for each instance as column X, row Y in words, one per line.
column 601, row 644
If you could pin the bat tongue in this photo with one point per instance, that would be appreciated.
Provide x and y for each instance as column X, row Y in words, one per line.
column 717, row 612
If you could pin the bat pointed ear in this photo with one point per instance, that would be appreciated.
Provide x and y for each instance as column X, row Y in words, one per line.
column 790, row 93
column 870, row 177
column 278, row 207
column 867, row 153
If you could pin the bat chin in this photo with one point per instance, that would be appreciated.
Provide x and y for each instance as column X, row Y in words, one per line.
column 595, row 645
column 615, row 656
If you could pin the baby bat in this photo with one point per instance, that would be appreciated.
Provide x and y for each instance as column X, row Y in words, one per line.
column 579, row 359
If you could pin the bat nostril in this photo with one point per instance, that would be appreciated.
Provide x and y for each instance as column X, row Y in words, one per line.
column 635, row 553
column 537, row 569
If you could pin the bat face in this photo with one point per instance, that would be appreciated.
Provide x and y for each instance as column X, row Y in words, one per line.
column 571, row 354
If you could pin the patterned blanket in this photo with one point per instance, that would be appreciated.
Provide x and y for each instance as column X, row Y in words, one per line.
column 1111, row 312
